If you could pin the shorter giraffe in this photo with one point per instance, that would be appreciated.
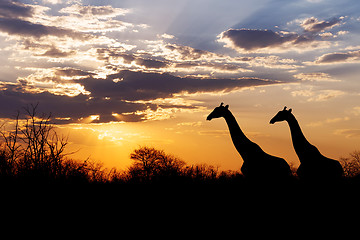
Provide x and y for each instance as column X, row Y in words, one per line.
column 257, row 164
column 313, row 165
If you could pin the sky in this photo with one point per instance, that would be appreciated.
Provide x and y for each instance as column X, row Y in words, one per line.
column 117, row 75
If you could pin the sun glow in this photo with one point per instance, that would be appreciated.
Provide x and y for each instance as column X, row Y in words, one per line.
column 107, row 135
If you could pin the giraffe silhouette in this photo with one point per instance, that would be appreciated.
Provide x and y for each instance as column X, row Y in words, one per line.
column 257, row 164
column 313, row 165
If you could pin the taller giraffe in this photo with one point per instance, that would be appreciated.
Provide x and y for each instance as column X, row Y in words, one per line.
column 257, row 164
column 313, row 165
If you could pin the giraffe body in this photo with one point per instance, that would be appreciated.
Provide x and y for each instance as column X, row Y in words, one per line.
column 257, row 163
column 313, row 165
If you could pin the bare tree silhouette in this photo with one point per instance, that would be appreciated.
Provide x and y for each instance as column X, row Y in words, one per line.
column 33, row 150
column 151, row 164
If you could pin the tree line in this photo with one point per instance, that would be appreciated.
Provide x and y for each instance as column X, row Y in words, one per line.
column 33, row 152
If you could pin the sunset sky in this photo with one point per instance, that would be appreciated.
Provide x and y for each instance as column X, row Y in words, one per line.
column 119, row 74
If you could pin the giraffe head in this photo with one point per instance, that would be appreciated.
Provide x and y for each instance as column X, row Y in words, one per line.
column 281, row 116
column 218, row 112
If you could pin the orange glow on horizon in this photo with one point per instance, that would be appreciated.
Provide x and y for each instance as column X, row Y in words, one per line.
column 195, row 140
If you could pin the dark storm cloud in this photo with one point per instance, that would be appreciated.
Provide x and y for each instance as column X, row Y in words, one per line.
column 12, row 9
column 127, row 93
column 14, row 20
column 250, row 39
column 21, row 27
column 254, row 39
column 339, row 57
column 129, row 85
column 75, row 108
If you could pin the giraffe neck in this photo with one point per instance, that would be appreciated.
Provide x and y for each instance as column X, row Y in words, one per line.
column 243, row 145
column 300, row 143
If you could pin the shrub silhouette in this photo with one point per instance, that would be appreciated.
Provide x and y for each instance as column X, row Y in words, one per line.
column 33, row 151
column 155, row 166
column 351, row 164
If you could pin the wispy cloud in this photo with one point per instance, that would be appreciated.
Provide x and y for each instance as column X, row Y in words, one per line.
column 316, row 77
column 328, row 121
column 349, row 133
column 313, row 25
column 312, row 95
column 81, row 11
